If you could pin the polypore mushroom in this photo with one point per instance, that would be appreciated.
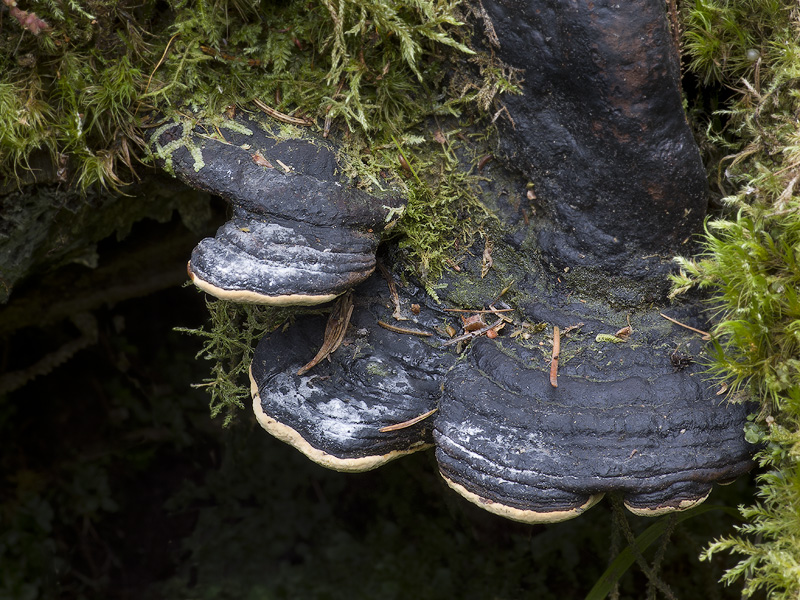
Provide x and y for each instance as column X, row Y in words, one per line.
column 622, row 419
column 528, row 427
column 335, row 413
column 300, row 232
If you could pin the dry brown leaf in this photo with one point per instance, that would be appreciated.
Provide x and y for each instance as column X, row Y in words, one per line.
column 334, row 330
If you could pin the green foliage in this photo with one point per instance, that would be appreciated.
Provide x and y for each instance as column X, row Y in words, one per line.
column 230, row 340
column 443, row 209
column 770, row 539
column 751, row 264
column 78, row 91
column 730, row 39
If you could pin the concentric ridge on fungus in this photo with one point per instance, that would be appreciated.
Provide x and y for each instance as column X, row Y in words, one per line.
column 505, row 438
column 299, row 234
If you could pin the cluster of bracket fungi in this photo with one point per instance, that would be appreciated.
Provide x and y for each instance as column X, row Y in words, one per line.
column 536, row 423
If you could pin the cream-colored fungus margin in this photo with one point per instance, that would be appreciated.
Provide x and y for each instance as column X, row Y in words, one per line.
column 518, row 514
column 662, row 510
column 348, row 465
column 249, row 297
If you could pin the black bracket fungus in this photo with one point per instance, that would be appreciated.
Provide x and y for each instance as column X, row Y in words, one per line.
column 529, row 427
column 379, row 379
column 300, row 234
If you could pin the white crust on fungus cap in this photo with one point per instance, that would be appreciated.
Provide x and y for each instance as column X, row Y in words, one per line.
column 348, row 465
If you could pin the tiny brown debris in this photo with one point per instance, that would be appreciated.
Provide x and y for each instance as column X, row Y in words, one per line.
column 472, row 334
column 484, row 161
column 554, row 360
column 453, row 265
column 499, row 312
column 334, row 330
column 625, row 332
column 326, row 130
column 487, row 261
column 415, row 309
column 259, row 159
column 438, row 136
column 408, row 423
column 493, row 332
column 474, row 323
column 679, row 360
column 404, row 163
column 571, row 328
column 479, row 310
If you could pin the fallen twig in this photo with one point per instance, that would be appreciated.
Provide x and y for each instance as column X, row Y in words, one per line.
column 472, row 334
column 476, row 311
column 404, row 330
column 392, row 292
column 282, row 116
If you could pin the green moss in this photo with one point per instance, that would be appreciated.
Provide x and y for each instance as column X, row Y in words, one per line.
column 79, row 89
column 751, row 264
column 377, row 369
column 443, row 211
column 230, row 340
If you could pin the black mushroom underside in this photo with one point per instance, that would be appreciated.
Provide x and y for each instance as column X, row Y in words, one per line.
column 300, row 233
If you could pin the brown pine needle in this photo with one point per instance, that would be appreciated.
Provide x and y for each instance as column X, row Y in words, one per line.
column 554, row 361
column 334, row 331
column 476, row 311
column 282, row 116
column 408, row 423
column 705, row 334
column 404, row 330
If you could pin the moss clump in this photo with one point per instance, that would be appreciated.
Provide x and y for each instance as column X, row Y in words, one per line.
column 230, row 339
column 751, row 263
column 78, row 87
column 443, row 211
